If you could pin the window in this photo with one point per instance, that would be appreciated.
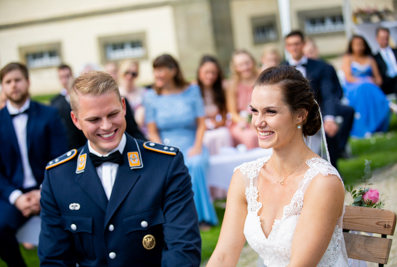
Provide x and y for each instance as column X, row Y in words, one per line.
column 41, row 56
column 264, row 29
column 114, row 48
column 322, row 21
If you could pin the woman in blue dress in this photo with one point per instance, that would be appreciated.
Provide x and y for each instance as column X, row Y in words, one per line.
column 174, row 114
column 362, row 89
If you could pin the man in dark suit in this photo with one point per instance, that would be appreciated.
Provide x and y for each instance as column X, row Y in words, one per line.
column 30, row 135
column 76, row 138
column 386, row 60
column 326, row 89
column 117, row 201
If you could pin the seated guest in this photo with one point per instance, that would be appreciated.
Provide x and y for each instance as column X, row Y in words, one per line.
column 174, row 115
column 310, row 50
column 210, row 78
column 238, row 98
column 324, row 87
column 362, row 89
column 270, row 57
column 61, row 102
column 127, row 74
column 112, row 69
column 386, row 60
column 30, row 136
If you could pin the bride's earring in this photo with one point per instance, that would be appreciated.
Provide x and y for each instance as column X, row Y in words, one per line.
column 299, row 126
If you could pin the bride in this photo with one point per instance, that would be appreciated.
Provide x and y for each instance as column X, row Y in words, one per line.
column 288, row 206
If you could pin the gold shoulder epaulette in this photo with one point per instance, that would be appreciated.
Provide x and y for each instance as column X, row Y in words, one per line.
column 169, row 150
column 62, row 159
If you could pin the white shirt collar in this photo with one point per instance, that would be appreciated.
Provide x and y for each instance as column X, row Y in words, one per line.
column 120, row 147
column 64, row 92
column 385, row 50
column 301, row 61
column 13, row 110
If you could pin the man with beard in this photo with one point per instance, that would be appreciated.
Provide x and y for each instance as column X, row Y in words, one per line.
column 30, row 135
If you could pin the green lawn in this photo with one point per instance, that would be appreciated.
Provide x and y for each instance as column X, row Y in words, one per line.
column 381, row 149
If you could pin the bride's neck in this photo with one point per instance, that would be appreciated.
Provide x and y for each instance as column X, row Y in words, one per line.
column 287, row 158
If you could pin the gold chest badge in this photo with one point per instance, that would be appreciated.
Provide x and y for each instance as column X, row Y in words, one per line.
column 149, row 242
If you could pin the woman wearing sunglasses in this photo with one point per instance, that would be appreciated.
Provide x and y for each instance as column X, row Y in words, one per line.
column 128, row 72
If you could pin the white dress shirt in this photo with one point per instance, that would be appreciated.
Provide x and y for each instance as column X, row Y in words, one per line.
column 298, row 64
column 388, row 56
column 65, row 93
column 108, row 170
column 20, row 126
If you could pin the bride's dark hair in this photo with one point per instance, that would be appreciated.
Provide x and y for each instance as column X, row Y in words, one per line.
column 296, row 94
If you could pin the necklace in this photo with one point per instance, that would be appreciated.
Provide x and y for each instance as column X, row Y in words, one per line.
column 300, row 163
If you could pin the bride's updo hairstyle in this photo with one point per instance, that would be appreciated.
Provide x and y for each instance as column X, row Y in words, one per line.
column 296, row 94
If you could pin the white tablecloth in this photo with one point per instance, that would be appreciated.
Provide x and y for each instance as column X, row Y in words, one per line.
column 221, row 166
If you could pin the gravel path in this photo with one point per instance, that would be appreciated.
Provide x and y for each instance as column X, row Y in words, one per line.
column 385, row 180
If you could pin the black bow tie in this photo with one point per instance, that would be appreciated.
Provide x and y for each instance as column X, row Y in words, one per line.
column 23, row 112
column 115, row 157
column 298, row 65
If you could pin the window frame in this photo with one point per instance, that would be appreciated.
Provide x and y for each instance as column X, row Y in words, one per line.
column 264, row 20
column 39, row 48
column 117, row 39
column 324, row 14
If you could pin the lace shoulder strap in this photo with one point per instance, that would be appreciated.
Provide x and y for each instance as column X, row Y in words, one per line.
column 250, row 170
column 316, row 166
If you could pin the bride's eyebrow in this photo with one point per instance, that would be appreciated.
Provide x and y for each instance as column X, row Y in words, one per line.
column 265, row 108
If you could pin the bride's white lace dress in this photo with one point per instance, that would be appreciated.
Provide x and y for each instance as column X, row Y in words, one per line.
column 275, row 250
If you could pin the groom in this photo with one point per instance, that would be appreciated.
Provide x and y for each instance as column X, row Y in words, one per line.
column 116, row 201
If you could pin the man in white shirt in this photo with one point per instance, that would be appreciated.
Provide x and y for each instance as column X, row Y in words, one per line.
column 386, row 60
column 117, row 201
column 30, row 135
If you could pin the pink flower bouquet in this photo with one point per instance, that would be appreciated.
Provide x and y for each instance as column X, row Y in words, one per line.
column 365, row 196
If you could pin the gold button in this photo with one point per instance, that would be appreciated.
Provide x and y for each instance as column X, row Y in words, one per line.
column 149, row 242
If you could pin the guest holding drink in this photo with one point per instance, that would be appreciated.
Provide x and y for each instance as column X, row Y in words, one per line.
column 210, row 78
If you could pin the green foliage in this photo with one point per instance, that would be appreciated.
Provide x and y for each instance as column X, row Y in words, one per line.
column 45, row 99
column 357, row 194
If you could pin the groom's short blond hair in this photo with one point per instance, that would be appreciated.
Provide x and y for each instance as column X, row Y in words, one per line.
column 92, row 83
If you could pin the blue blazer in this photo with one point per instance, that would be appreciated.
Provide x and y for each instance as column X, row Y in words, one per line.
column 324, row 85
column 46, row 139
column 152, row 197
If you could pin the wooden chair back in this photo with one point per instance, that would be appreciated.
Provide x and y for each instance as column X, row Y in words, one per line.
column 368, row 220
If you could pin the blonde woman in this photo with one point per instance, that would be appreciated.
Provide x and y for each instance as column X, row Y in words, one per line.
column 238, row 98
column 128, row 73
column 270, row 57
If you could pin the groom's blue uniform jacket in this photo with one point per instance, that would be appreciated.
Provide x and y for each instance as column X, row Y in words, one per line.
column 151, row 197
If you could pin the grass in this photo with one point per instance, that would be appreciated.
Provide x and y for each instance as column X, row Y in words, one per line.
column 45, row 99
column 380, row 149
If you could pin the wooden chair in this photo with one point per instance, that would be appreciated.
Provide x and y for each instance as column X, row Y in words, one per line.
column 365, row 247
